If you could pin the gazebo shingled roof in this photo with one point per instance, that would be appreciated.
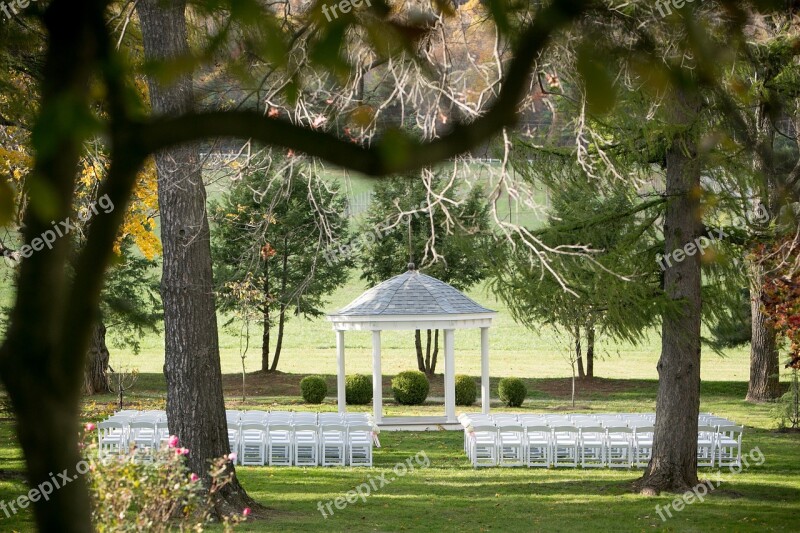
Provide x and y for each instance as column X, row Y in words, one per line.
column 412, row 293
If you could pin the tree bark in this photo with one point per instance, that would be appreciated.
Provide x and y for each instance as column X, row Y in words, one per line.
column 195, row 403
column 267, row 323
column 279, row 340
column 95, row 377
column 418, row 346
column 435, row 355
column 579, row 353
column 764, row 384
column 590, row 351
column 428, row 339
column 764, row 358
column 282, row 315
column 673, row 466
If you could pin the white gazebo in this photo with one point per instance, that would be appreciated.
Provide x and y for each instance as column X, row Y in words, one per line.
column 413, row 301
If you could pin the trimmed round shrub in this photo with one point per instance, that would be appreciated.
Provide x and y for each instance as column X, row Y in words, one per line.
column 314, row 389
column 466, row 390
column 410, row 387
column 358, row 389
column 512, row 391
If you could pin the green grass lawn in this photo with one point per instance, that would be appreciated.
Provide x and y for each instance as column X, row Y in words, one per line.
column 449, row 495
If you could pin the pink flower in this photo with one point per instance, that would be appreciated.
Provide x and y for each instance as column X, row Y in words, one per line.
column 182, row 451
column 246, row 512
column 194, row 477
column 90, row 426
column 173, row 441
column 232, row 457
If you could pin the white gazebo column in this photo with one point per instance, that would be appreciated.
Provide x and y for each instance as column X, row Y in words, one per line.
column 340, row 387
column 485, row 386
column 377, row 378
column 449, row 376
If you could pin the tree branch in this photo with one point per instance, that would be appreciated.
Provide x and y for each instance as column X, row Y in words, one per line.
column 393, row 153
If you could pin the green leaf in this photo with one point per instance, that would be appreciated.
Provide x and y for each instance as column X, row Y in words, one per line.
column 601, row 94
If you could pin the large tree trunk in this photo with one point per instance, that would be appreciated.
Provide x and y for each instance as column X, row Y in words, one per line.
column 590, row 351
column 764, row 358
column 95, row 376
column 764, row 384
column 195, row 403
column 673, row 466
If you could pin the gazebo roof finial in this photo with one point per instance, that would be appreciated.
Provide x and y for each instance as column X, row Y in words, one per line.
column 411, row 267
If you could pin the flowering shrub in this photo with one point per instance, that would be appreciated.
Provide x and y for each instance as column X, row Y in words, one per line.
column 129, row 494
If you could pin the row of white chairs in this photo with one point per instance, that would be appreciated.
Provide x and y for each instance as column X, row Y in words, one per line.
column 257, row 437
column 302, row 438
column 541, row 440
column 301, row 444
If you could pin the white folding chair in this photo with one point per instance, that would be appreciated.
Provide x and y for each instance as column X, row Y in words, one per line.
column 592, row 446
column 565, row 446
column 143, row 436
column 362, row 418
column 162, row 433
column 252, row 444
column 330, row 418
column 729, row 445
column 304, row 418
column 359, row 444
column 333, row 439
column 538, row 445
column 511, row 444
column 706, row 445
column 280, row 443
column 234, row 439
column 254, row 417
column 643, row 443
column 473, row 420
column 619, row 446
column 306, row 445
column 111, row 437
column 483, row 445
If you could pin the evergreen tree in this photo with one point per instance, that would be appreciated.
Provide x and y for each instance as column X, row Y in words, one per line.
column 267, row 241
